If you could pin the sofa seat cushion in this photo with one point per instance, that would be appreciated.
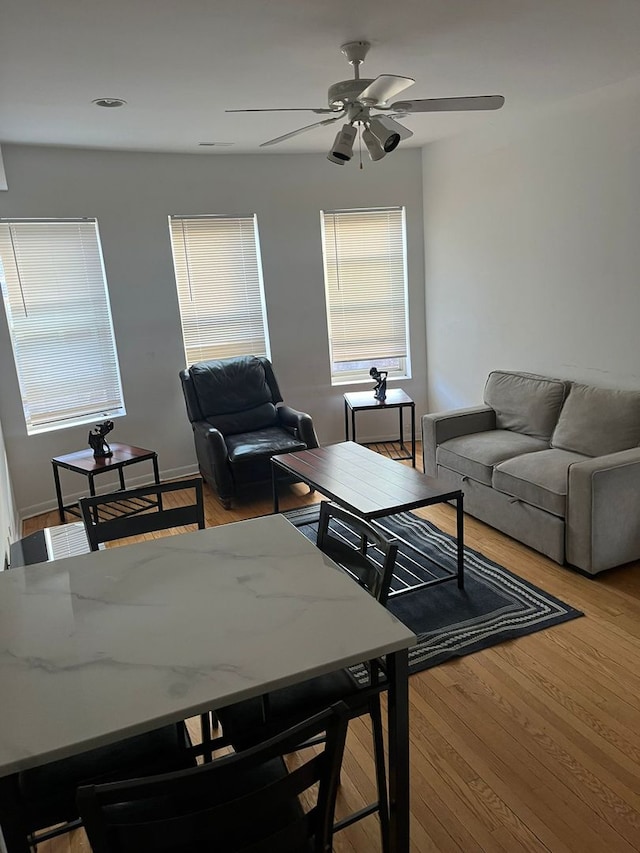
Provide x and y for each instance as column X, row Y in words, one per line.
column 539, row 479
column 265, row 443
column 525, row 402
column 475, row 455
column 598, row 421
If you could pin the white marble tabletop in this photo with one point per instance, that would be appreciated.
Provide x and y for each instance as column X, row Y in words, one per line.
column 100, row 646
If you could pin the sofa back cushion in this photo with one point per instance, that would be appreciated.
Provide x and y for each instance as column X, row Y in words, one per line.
column 524, row 402
column 596, row 421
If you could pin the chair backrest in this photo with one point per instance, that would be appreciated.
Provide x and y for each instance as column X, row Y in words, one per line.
column 246, row 801
column 232, row 394
column 359, row 547
column 133, row 512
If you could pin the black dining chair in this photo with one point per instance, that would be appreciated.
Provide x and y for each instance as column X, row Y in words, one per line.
column 40, row 803
column 369, row 558
column 247, row 801
column 134, row 512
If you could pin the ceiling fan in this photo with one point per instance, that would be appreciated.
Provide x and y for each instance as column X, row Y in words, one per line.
column 355, row 99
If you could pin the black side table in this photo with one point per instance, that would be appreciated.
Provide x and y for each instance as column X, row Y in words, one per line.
column 83, row 462
column 362, row 401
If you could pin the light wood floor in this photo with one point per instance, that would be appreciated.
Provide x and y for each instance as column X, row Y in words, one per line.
column 531, row 745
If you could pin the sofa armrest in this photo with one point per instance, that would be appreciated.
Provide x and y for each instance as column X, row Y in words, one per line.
column 299, row 423
column 603, row 517
column 213, row 458
column 441, row 426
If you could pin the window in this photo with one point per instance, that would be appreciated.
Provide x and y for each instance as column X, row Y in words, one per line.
column 220, row 289
column 55, row 295
column 365, row 273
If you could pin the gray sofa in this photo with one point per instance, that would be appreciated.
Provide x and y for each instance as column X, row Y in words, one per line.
column 553, row 463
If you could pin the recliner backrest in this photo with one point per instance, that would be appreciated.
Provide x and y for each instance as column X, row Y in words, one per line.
column 233, row 394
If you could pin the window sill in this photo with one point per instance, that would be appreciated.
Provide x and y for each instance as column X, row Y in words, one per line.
column 365, row 381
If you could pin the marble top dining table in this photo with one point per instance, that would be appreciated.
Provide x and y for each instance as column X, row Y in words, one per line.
column 97, row 647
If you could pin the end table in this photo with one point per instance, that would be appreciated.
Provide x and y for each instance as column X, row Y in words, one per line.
column 362, row 401
column 84, row 462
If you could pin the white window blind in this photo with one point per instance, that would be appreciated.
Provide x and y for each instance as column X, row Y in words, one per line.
column 55, row 295
column 366, row 291
column 220, row 289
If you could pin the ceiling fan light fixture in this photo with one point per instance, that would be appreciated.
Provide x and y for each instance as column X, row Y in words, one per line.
column 342, row 148
column 374, row 147
column 383, row 128
column 333, row 159
column 391, row 142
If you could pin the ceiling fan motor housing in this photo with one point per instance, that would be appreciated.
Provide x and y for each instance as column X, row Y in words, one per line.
column 346, row 92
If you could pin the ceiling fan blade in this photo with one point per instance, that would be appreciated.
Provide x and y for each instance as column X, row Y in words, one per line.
column 434, row 105
column 384, row 87
column 301, row 130
column 285, row 110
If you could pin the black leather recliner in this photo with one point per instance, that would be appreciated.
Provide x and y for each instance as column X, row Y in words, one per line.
column 239, row 421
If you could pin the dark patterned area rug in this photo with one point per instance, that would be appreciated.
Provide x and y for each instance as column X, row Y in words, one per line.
column 495, row 604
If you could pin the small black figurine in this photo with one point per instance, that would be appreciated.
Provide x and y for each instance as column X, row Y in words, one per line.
column 380, row 388
column 97, row 441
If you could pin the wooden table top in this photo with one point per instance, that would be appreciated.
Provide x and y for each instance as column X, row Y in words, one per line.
column 365, row 399
column 84, row 460
column 367, row 483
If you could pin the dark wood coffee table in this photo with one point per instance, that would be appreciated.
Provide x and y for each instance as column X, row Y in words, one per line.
column 369, row 485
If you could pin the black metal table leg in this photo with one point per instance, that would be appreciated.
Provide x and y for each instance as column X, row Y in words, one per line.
column 353, row 424
column 398, row 713
column 401, row 420
column 413, row 436
column 460, row 539
column 156, row 478
column 346, row 421
column 56, row 478
column 274, row 488
column 92, row 492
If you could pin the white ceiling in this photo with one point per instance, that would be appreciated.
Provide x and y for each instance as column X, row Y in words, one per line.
column 180, row 63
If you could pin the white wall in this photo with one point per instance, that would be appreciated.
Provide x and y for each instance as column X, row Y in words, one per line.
column 132, row 194
column 532, row 244
column 8, row 517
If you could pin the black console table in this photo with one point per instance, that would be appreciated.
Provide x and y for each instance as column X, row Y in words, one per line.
column 362, row 401
column 83, row 462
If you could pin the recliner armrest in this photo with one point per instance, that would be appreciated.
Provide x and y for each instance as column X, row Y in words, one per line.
column 438, row 427
column 211, row 451
column 603, row 521
column 299, row 423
